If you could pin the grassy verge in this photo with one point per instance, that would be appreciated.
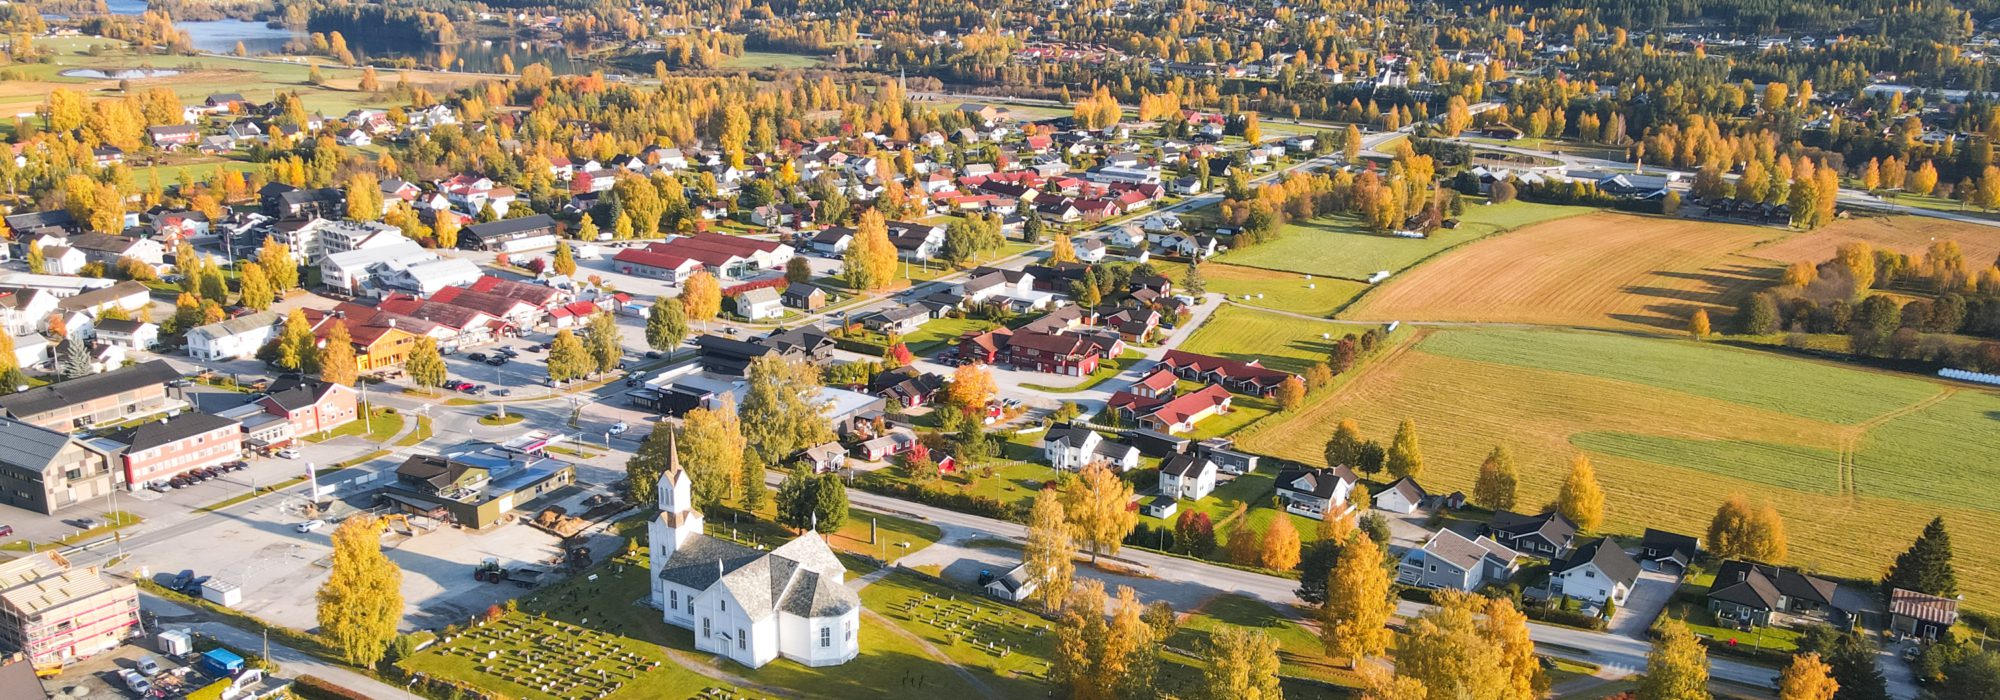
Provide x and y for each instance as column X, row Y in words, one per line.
column 420, row 434
column 498, row 419
column 382, row 424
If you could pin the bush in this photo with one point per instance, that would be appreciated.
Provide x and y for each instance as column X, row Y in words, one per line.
column 316, row 688
column 1566, row 618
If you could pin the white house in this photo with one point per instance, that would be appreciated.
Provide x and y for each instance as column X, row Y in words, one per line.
column 1072, row 448
column 234, row 339
column 1403, row 496
column 1091, row 250
column 1594, row 573
column 129, row 334
column 1315, row 492
column 1014, row 586
column 759, row 304
column 1161, row 222
column 747, row 604
column 1187, row 476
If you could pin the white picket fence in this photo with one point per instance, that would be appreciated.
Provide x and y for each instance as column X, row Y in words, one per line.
column 1966, row 376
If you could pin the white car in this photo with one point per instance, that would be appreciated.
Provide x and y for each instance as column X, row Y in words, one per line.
column 619, row 428
column 288, row 453
column 312, row 525
column 136, row 682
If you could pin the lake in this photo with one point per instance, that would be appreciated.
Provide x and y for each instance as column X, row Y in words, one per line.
column 219, row 36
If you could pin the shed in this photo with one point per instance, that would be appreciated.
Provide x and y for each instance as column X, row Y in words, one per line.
column 222, row 593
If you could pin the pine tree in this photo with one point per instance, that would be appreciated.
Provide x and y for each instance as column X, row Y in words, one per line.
column 362, row 600
column 1498, row 483
column 1192, row 280
column 1581, row 499
column 1405, row 458
column 73, row 358
column 1926, row 566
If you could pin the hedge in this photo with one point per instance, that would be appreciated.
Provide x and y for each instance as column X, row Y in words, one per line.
column 935, row 496
column 316, row 688
column 1566, row 618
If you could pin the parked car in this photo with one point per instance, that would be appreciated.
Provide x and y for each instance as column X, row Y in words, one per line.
column 288, row 453
column 476, row 357
column 619, row 428
column 312, row 525
column 148, row 666
column 180, row 383
column 136, row 682
column 496, row 361
column 654, row 355
column 6, row 531
column 83, row 523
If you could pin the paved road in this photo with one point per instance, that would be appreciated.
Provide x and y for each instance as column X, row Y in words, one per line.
column 291, row 662
column 1610, row 651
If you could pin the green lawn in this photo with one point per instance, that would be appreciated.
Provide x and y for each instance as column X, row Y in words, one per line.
column 1338, row 246
column 1821, row 391
column 1244, row 411
column 767, row 59
column 938, row 333
column 1282, row 291
column 417, row 436
column 1014, row 479
column 383, row 423
column 1812, row 469
column 1300, row 653
column 1280, row 342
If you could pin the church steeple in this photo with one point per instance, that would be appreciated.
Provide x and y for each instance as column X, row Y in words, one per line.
column 679, row 519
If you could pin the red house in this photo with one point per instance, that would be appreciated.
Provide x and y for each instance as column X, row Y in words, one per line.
column 313, row 407
column 984, row 347
column 1072, row 354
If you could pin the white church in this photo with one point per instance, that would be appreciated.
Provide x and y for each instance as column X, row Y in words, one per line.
column 747, row 604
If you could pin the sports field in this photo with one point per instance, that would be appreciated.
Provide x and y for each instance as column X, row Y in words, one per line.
column 1904, row 234
column 1606, row 270
column 1856, row 461
column 1338, row 246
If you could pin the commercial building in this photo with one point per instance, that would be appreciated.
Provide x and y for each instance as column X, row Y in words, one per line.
column 478, row 488
column 46, row 471
column 119, row 395
column 163, row 449
column 56, row 614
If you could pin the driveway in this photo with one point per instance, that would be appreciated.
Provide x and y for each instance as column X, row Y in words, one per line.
column 1650, row 594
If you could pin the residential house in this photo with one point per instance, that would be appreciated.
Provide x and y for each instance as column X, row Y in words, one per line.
column 1403, row 496
column 160, row 450
column 171, row 137
column 833, row 241
column 1660, row 550
column 1597, row 572
column 1187, row 476
column 897, row 440
column 1072, row 354
column 284, row 201
column 120, row 395
column 1548, row 535
column 1222, row 451
column 1174, row 414
column 746, row 604
column 311, row 406
column 915, row 241
column 1914, row 615
column 125, row 333
column 46, row 471
column 234, row 339
column 824, row 457
column 1071, row 447
column 805, row 297
column 759, row 304
column 1243, row 377
column 1314, row 492
column 1161, row 507
column 1752, row 594
column 899, row 320
column 1449, row 560
column 55, row 613
column 907, row 386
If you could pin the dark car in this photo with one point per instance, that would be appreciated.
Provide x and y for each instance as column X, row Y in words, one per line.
column 653, row 355
column 497, row 361
column 476, row 357
column 83, row 523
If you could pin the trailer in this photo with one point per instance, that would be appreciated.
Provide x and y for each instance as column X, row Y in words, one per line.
column 525, row 576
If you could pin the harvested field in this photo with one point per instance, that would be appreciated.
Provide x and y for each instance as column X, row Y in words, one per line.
column 1854, row 490
column 1903, row 234
column 1604, row 270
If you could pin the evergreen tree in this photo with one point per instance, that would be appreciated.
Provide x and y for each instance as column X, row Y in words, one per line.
column 1926, row 566
column 73, row 358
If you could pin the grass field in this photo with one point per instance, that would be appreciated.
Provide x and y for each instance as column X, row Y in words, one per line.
column 1856, row 461
column 1904, row 234
column 1283, row 342
column 1282, row 291
column 256, row 79
column 1300, row 653
column 766, row 59
column 1339, row 247
column 1606, row 269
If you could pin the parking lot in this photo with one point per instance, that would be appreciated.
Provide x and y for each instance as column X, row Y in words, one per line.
column 100, row 677
column 279, row 569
